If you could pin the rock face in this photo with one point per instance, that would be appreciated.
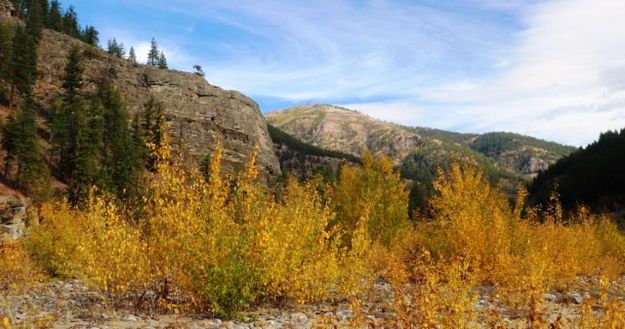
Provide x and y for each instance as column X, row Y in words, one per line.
column 198, row 113
column 12, row 217
column 6, row 9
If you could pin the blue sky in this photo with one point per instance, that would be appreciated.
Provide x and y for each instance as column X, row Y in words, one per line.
column 551, row 69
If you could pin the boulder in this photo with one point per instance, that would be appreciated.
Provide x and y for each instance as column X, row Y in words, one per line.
column 12, row 218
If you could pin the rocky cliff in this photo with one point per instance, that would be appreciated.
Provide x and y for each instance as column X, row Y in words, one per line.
column 198, row 113
column 6, row 9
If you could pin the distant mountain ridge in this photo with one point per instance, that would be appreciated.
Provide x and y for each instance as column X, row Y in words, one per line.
column 340, row 129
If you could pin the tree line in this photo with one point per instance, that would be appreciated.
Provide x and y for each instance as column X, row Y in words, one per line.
column 83, row 151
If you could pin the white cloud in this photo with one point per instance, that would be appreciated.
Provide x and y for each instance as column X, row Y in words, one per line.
column 562, row 83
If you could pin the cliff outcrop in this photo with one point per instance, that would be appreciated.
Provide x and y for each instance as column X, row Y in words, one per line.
column 199, row 114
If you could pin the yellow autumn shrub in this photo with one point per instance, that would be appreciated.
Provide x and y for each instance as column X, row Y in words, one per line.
column 226, row 242
column 373, row 191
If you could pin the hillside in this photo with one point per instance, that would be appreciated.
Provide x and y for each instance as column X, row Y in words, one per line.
column 304, row 160
column 349, row 131
column 198, row 113
column 593, row 176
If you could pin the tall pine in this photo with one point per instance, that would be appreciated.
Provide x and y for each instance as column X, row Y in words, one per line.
column 36, row 18
column 54, row 19
column 69, row 118
column 22, row 67
column 154, row 54
column 89, row 154
column 122, row 163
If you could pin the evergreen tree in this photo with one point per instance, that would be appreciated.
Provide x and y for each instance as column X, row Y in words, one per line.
column 54, row 20
column 162, row 61
column 205, row 167
column 5, row 57
column 70, row 117
column 45, row 9
column 154, row 54
column 122, row 163
column 10, row 137
column 70, row 23
column 153, row 123
column 21, row 142
column 116, row 49
column 132, row 57
column 35, row 19
column 137, row 135
column 22, row 67
column 198, row 70
column 32, row 175
column 88, row 154
column 90, row 36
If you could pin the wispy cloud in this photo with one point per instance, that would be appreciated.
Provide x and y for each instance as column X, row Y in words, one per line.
column 554, row 69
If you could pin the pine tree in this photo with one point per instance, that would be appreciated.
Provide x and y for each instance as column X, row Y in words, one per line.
column 10, row 137
column 70, row 23
column 116, row 49
column 70, row 117
column 35, row 19
column 162, row 61
column 88, row 154
column 22, row 68
column 90, row 36
column 5, row 57
column 205, row 167
column 153, row 123
column 137, row 135
column 132, row 57
column 32, row 175
column 198, row 70
column 21, row 143
column 122, row 164
column 54, row 20
column 154, row 54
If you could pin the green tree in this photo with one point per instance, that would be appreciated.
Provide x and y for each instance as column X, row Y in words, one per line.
column 153, row 123
column 69, row 118
column 54, row 20
column 90, row 36
column 122, row 163
column 154, row 54
column 88, row 154
column 36, row 18
column 22, row 67
column 33, row 175
column 70, row 23
column 5, row 57
column 21, row 142
column 115, row 48
column 162, row 61
column 132, row 56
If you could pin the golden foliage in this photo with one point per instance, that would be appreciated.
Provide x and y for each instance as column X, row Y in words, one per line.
column 376, row 193
column 226, row 241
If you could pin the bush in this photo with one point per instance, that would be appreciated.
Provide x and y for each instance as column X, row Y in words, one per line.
column 228, row 242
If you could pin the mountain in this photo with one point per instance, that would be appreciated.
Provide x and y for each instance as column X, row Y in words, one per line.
column 352, row 132
column 418, row 152
column 594, row 176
